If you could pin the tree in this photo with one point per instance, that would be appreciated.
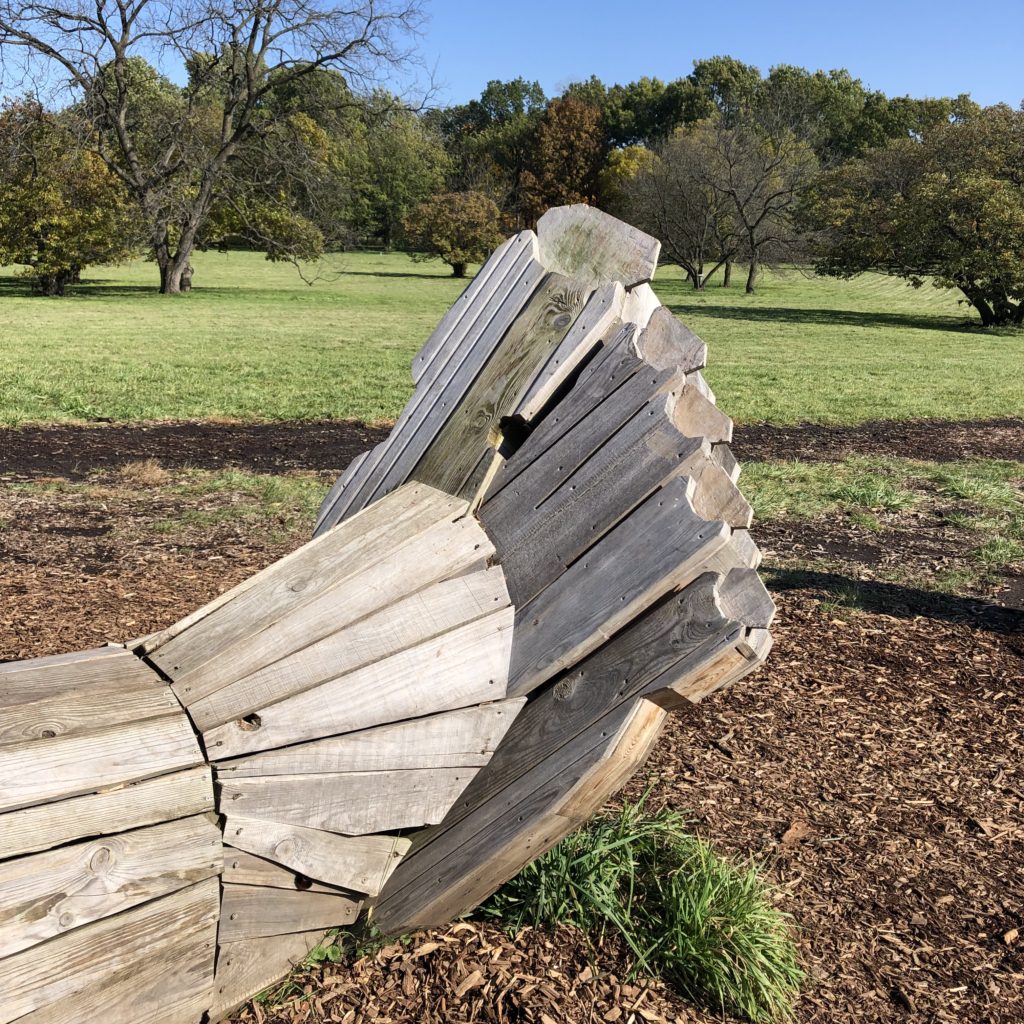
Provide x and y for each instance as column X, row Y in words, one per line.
column 60, row 207
column 670, row 198
column 405, row 163
column 238, row 57
column 569, row 154
column 948, row 207
column 458, row 227
column 761, row 177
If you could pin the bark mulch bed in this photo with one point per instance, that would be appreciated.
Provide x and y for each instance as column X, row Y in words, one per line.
column 70, row 450
column 874, row 767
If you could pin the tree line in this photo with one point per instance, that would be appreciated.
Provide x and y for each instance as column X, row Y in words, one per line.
column 278, row 135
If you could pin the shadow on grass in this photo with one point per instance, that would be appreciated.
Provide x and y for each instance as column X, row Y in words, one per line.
column 828, row 317
column 107, row 288
column 899, row 601
column 404, row 273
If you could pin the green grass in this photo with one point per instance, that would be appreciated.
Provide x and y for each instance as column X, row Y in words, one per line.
column 253, row 342
column 689, row 916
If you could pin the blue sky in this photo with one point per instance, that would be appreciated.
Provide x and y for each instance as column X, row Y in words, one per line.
column 901, row 47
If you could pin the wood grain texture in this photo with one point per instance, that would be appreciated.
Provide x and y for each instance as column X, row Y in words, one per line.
column 253, row 911
column 354, row 803
column 38, row 678
column 172, row 984
column 359, row 863
column 452, row 739
column 640, row 303
column 241, row 868
column 248, row 967
column 49, row 894
column 597, row 319
column 393, row 626
column 659, row 548
column 667, row 343
column 49, row 769
column 164, row 798
column 474, row 424
column 68, row 964
column 472, row 660
column 588, row 244
column 86, row 708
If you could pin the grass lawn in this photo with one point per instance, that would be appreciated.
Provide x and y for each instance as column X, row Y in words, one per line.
column 254, row 342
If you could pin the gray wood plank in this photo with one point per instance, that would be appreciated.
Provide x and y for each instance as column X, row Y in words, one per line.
column 241, row 868
column 474, row 424
column 50, row 769
column 86, row 708
column 68, row 964
column 402, row 622
column 353, row 803
column 463, row 738
column 667, row 343
column 585, row 242
column 297, row 580
column 25, row 681
column 248, row 967
column 49, row 894
column 255, row 911
column 467, row 665
column 164, row 798
column 659, row 548
column 359, row 863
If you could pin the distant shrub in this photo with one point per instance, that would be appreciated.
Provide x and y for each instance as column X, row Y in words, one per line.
column 457, row 227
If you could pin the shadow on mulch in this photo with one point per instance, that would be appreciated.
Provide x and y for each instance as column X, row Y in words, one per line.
column 900, row 601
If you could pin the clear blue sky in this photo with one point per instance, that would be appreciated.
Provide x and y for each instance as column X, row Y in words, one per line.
column 901, row 46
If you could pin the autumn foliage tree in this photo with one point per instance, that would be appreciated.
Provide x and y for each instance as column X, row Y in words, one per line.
column 60, row 207
column 948, row 208
column 458, row 227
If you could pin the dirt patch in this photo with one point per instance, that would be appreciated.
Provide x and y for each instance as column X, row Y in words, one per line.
column 930, row 440
column 73, row 450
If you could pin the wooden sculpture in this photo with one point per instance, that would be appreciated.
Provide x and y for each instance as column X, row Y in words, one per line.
column 500, row 605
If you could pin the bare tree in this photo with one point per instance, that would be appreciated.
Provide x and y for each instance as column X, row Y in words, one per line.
column 761, row 176
column 172, row 153
column 670, row 198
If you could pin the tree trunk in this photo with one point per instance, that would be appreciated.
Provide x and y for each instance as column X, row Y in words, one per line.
column 985, row 311
column 727, row 277
column 176, row 274
column 458, row 270
column 752, row 275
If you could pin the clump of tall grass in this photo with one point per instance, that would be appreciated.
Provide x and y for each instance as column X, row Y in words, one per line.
column 688, row 915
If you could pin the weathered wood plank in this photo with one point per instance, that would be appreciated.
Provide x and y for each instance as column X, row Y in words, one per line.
column 399, row 624
column 246, row 968
column 659, row 548
column 584, row 242
column 597, row 320
column 550, row 801
column 67, row 964
column 170, row 984
column 466, row 737
column 354, row 803
column 570, row 496
column 667, row 343
column 165, row 798
column 675, row 639
column 359, row 863
column 696, row 416
column 86, row 709
column 716, row 496
column 639, row 305
column 303, row 574
column 442, row 387
column 339, row 485
column 51, row 893
column 473, row 425
column 253, row 911
column 324, row 564
column 49, row 769
column 468, row 665
column 241, row 868
column 25, row 681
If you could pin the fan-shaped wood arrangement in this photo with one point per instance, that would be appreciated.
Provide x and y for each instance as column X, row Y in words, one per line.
column 499, row 607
